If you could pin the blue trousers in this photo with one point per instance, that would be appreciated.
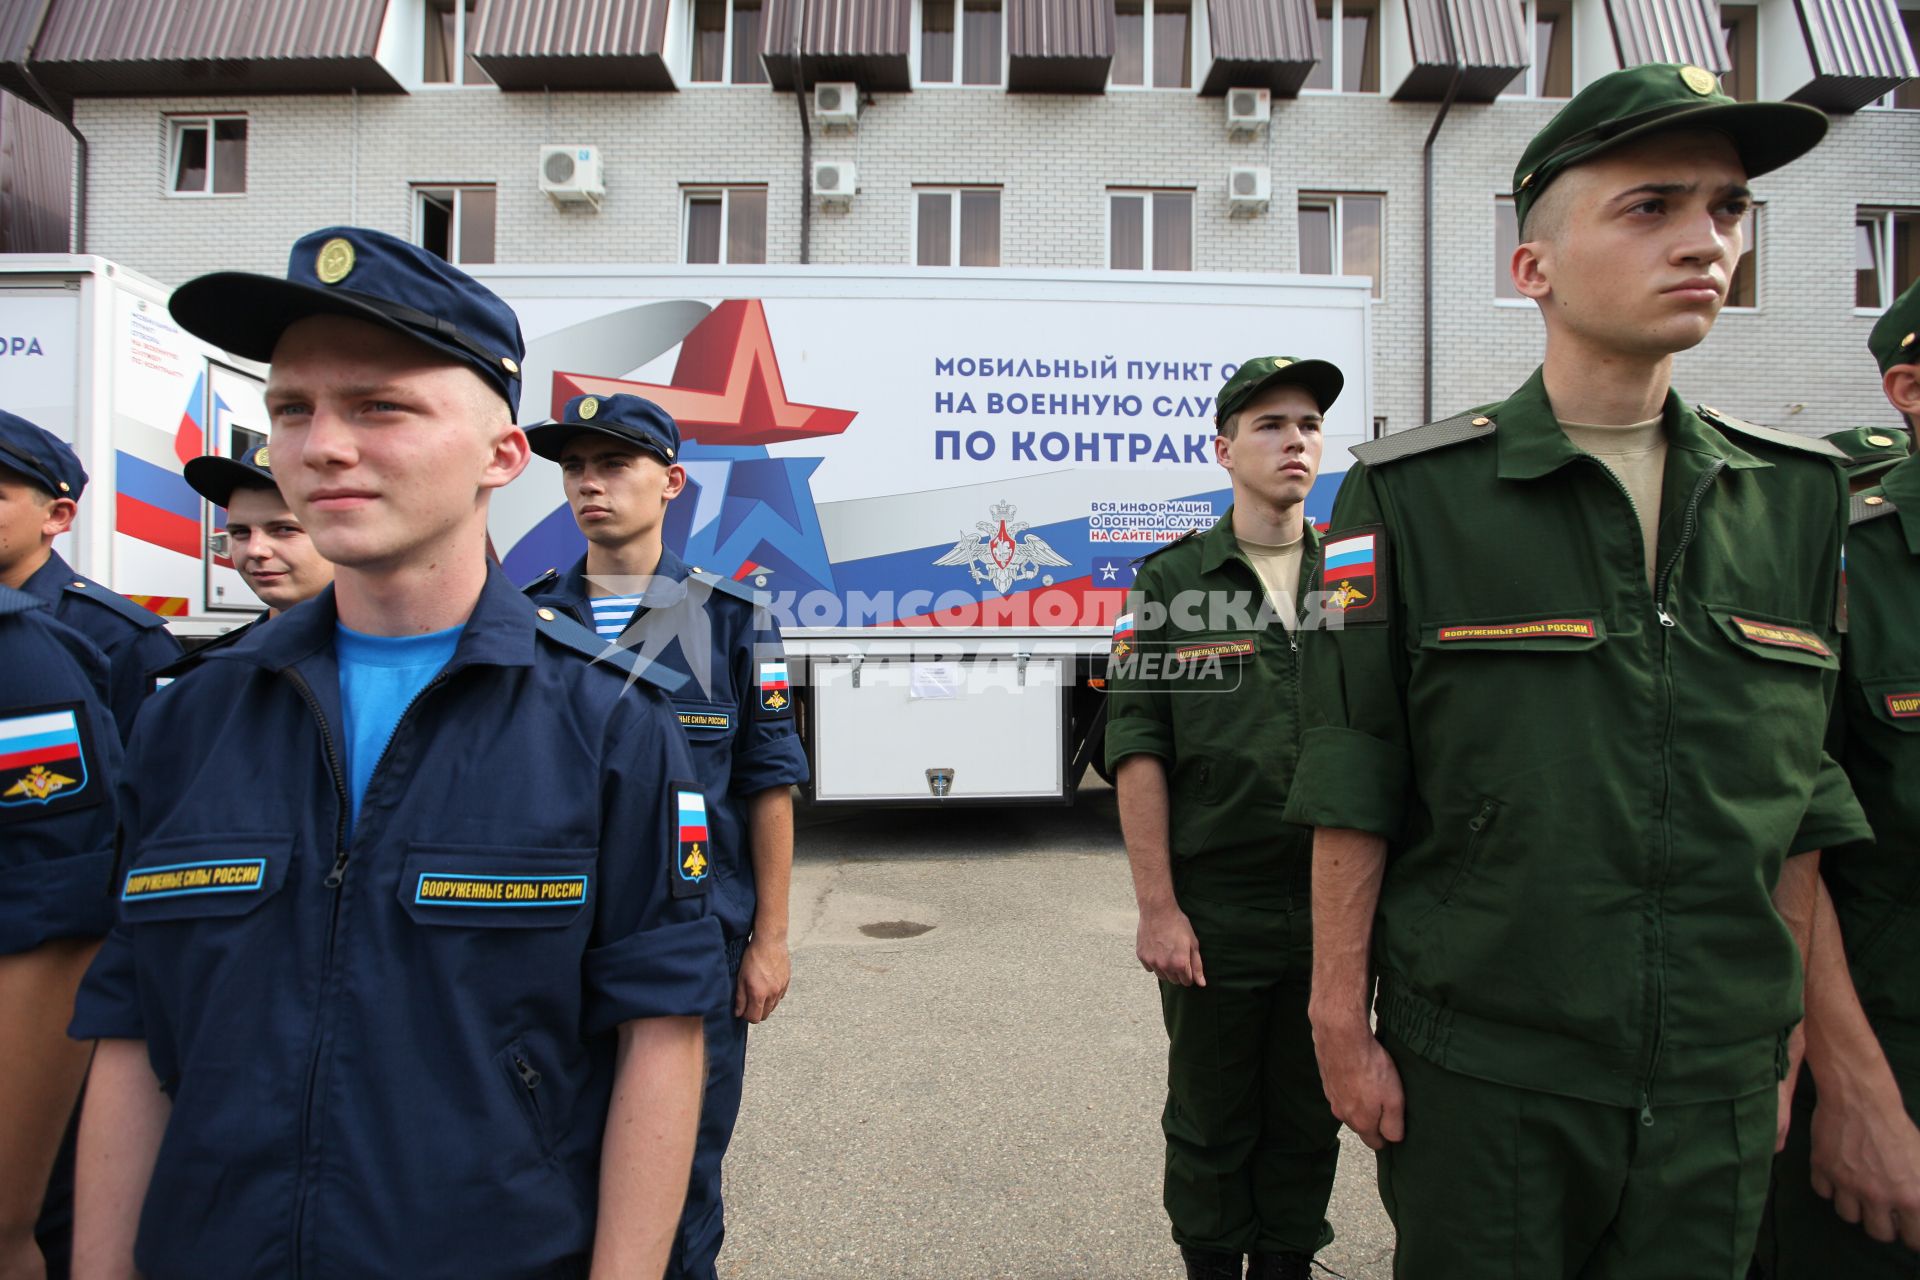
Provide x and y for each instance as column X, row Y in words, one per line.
column 703, row 1222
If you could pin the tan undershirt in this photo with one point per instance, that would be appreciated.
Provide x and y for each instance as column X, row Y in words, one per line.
column 1637, row 455
column 1279, row 569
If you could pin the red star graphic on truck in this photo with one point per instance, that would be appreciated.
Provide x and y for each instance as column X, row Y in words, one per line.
column 727, row 388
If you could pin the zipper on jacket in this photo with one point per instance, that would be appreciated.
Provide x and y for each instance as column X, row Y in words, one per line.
column 1689, row 525
column 528, row 1075
column 342, row 846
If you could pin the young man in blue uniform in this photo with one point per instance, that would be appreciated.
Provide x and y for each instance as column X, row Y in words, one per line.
column 425, row 997
column 41, row 480
column 618, row 456
column 59, row 760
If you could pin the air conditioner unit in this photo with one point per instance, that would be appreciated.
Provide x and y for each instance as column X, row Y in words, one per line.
column 571, row 174
column 1249, row 187
column 834, row 181
column 1248, row 109
column 836, row 103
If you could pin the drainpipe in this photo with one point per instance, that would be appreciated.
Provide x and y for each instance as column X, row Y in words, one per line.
column 1426, row 230
column 806, row 138
column 77, row 237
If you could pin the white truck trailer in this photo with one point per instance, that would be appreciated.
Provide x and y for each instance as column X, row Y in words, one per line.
column 940, row 479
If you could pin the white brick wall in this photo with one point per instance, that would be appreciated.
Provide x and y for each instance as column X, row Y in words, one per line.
column 319, row 160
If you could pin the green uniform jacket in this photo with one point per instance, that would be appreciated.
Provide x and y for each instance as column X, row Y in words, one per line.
column 1876, row 885
column 1225, row 719
column 1588, row 788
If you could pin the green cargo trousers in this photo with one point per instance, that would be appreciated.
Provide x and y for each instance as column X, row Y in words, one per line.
column 1497, row 1182
column 1803, row 1238
column 1251, row 1141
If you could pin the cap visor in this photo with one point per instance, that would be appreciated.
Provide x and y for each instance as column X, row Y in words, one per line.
column 246, row 314
column 1318, row 378
column 1766, row 134
column 215, row 479
column 549, row 439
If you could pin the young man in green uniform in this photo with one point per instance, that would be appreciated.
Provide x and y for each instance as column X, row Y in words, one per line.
column 1853, row 1140
column 1203, row 735
column 1564, row 757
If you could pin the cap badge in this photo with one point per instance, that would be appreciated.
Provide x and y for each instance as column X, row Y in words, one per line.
column 1699, row 79
column 1908, row 340
column 511, row 365
column 335, row 261
column 1880, row 442
column 588, row 408
column 260, row 457
column 1281, row 362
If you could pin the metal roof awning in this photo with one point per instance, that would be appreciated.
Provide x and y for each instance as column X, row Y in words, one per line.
column 864, row 41
column 1857, row 51
column 1492, row 48
column 575, row 44
column 1270, row 44
column 1059, row 46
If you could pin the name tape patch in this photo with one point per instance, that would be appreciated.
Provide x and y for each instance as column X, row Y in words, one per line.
column 445, row 889
column 1904, row 706
column 1242, row 648
column 1574, row 628
column 182, row 879
column 705, row 720
column 1781, row 637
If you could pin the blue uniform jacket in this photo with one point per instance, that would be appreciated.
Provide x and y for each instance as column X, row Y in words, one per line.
column 59, row 761
column 391, row 1055
column 135, row 642
column 740, row 727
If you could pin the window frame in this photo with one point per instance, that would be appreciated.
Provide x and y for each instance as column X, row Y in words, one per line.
column 1754, row 211
column 726, row 80
column 955, row 192
column 422, row 191
column 916, row 30
column 1146, row 228
column 1889, row 284
column 1530, row 20
column 1336, row 60
column 177, row 125
column 1337, row 201
column 1502, row 200
column 1146, row 84
column 462, row 41
column 706, row 191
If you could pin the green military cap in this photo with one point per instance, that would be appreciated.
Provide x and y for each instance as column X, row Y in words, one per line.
column 1896, row 337
column 1871, row 449
column 1648, row 99
column 1320, row 379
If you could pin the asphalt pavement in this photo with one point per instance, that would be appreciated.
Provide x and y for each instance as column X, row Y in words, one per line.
column 965, row 1080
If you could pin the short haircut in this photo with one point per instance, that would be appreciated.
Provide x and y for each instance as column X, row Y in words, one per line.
column 41, row 494
column 1547, row 216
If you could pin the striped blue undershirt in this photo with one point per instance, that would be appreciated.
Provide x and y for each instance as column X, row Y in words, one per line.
column 611, row 614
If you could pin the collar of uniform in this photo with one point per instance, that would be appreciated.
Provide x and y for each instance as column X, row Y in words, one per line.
column 573, row 585
column 499, row 632
column 49, row 580
column 1902, row 484
column 12, row 602
column 1531, row 444
column 1218, row 544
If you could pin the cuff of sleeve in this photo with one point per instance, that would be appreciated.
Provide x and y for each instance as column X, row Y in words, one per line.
column 1137, row 735
column 1834, row 816
column 1351, row 781
column 60, row 898
column 778, row 763
column 671, row 971
column 108, row 1004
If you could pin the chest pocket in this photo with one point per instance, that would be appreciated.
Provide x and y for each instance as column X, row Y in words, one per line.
column 1774, row 639
column 1895, row 702
column 1566, row 631
column 707, row 721
column 187, row 878
column 1210, row 662
column 470, row 886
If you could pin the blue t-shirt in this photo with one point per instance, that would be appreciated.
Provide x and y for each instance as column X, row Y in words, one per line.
column 380, row 676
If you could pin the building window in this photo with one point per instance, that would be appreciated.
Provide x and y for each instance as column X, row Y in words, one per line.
column 1744, row 290
column 1343, row 230
column 455, row 222
column 1551, row 75
column 967, row 49
column 452, row 26
column 957, row 228
column 726, row 42
column 209, row 155
column 1886, row 255
column 727, row 224
column 1150, row 230
column 1153, row 37
column 1907, row 96
column 1350, row 38
column 1506, row 238
column 1740, row 29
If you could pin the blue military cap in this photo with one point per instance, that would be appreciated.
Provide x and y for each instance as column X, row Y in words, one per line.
column 215, row 478
column 365, row 275
column 40, row 456
column 630, row 418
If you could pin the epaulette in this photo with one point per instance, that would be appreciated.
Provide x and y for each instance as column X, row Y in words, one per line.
column 13, row 601
column 1870, row 504
column 88, row 589
column 568, row 634
column 541, row 583
column 1772, row 435
column 199, row 653
column 726, row 586
column 1137, row 561
column 1460, row 428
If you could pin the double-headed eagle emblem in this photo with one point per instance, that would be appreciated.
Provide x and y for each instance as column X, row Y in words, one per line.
column 997, row 553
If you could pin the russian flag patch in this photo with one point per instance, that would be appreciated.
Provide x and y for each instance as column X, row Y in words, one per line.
column 775, row 697
column 693, row 861
column 44, row 755
column 1352, row 571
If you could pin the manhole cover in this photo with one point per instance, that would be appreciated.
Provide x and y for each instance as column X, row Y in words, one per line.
column 895, row 929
